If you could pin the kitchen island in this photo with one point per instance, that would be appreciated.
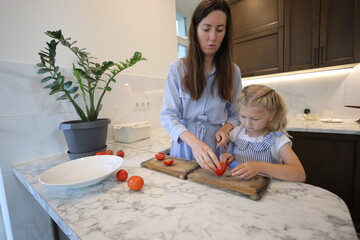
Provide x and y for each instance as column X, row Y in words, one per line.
column 171, row 208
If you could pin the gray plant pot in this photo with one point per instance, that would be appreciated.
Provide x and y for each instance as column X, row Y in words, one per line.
column 85, row 138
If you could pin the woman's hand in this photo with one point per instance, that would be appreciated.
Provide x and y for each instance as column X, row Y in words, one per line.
column 205, row 157
column 247, row 170
column 202, row 153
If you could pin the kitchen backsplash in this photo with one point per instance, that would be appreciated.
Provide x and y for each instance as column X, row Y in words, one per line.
column 319, row 92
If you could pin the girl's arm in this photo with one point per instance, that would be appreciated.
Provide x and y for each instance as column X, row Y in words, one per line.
column 291, row 170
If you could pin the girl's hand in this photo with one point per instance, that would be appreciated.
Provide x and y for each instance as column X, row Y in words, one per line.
column 226, row 156
column 222, row 138
column 247, row 170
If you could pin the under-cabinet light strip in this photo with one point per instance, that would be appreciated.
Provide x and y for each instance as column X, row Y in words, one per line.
column 297, row 76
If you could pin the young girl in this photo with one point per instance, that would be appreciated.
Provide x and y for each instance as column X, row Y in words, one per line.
column 260, row 144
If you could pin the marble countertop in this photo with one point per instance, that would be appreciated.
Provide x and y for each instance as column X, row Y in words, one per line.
column 172, row 208
column 348, row 126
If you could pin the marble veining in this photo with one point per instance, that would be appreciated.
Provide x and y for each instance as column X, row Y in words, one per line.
column 172, row 208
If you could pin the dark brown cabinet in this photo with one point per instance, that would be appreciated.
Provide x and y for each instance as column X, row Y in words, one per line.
column 320, row 33
column 332, row 162
column 272, row 36
column 258, row 36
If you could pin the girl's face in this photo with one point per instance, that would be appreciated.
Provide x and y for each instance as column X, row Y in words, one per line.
column 211, row 31
column 254, row 119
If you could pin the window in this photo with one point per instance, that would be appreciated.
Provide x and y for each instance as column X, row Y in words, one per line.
column 181, row 29
column 180, row 25
column 181, row 51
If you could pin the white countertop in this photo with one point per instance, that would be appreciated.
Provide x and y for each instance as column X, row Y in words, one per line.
column 172, row 208
column 349, row 126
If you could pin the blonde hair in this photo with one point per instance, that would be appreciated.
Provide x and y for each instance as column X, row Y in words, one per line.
column 260, row 95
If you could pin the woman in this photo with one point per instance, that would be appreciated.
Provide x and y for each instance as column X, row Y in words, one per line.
column 199, row 108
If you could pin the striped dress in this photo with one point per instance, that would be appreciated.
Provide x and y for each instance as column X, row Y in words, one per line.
column 263, row 148
column 203, row 117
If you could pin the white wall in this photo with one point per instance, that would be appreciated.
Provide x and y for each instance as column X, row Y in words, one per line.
column 29, row 117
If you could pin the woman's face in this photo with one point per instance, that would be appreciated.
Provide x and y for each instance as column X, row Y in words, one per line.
column 211, row 32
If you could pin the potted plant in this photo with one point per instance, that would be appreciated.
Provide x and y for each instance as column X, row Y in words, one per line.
column 92, row 80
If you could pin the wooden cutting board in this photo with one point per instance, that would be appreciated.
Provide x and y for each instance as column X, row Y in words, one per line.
column 253, row 189
column 180, row 167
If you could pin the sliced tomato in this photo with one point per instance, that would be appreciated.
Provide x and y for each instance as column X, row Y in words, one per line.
column 109, row 152
column 168, row 162
column 160, row 156
column 122, row 175
column 135, row 183
column 220, row 171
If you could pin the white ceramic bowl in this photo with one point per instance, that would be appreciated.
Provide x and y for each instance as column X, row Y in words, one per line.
column 81, row 172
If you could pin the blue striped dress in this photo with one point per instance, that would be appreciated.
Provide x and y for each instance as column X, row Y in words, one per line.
column 263, row 148
column 202, row 118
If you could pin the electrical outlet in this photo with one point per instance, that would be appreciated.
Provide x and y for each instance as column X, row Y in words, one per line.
column 143, row 104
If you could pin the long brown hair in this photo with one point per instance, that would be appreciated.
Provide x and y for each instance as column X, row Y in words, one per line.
column 194, row 80
column 260, row 95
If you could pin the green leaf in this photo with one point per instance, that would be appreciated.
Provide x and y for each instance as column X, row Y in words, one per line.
column 60, row 79
column 63, row 97
column 43, row 70
column 54, row 34
column 40, row 65
column 54, row 91
column 44, row 80
column 67, row 85
column 76, row 96
column 50, row 85
column 73, row 89
column 108, row 88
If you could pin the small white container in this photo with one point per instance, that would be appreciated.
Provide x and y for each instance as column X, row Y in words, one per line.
column 132, row 131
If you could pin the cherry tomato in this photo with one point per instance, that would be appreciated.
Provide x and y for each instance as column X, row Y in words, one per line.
column 220, row 171
column 122, row 175
column 100, row 153
column 168, row 162
column 160, row 156
column 135, row 183
column 109, row 152
column 120, row 153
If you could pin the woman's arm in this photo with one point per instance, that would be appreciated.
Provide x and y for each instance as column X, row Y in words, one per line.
column 171, row 113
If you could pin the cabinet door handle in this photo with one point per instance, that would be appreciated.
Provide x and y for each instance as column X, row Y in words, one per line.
column 322, row 56
column 316, row 60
